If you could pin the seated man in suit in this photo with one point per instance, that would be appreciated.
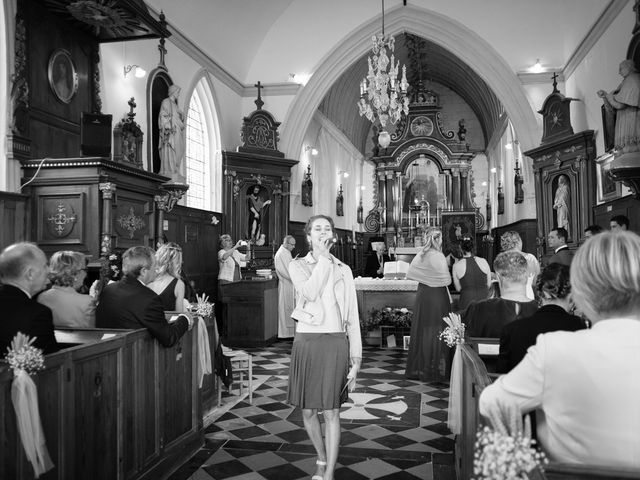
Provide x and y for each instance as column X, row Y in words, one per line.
column 129, row 303
column 376, row 259
column 23, row 273
column 557, row 240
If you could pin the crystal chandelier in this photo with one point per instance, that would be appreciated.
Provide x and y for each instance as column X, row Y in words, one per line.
column 382, row 95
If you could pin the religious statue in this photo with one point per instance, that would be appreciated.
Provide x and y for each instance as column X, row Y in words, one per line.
column 625, row 101
column 257, row 211
column 561, row 202
column 171, row 144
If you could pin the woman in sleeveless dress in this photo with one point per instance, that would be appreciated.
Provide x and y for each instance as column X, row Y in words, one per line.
column 168, row 284
column 471, row 276
column 428, row 358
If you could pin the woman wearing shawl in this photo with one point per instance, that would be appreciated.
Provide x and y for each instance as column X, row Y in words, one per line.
column 428, row 358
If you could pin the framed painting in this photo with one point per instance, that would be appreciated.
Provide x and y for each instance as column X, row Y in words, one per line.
column 63, row 76
column 608, row 188
column 455, row 227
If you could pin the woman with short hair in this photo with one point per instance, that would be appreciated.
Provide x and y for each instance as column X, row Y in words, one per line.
column 586, row 383
column 67, row 271
column 229, row 259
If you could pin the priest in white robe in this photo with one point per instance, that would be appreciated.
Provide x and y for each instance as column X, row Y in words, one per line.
column 286, row 295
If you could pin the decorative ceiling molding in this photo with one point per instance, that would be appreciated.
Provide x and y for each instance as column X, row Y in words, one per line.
column 609, row 14
column 272, row 90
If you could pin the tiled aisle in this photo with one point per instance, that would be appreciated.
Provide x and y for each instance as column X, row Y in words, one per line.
column 392, row 428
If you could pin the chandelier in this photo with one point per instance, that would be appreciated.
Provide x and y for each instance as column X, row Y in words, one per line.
column 382, row 95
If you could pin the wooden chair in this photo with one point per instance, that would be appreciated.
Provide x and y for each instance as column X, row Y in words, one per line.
column 241, row 363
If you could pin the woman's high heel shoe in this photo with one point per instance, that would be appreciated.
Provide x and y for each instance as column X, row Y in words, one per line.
column 321, row 464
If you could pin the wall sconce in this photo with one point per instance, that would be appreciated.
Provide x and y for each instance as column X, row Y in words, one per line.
column 343, row 174
column 138, row 71
column 314, row 150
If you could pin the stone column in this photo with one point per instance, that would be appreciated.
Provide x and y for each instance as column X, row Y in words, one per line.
column 107, row 189
column 455, row 189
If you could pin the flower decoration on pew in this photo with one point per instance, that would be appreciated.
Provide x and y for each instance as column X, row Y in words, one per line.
column 203, row 308
column 453, row 335
column 25, row 359
column 387, row 316
column 499, row 455
column 22, row 355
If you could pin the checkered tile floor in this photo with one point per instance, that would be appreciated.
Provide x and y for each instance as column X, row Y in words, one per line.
column 392, row 428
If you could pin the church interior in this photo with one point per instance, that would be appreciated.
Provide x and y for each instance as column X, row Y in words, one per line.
column 221, row 128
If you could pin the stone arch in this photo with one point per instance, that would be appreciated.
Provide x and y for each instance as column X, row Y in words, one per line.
column 445, row 31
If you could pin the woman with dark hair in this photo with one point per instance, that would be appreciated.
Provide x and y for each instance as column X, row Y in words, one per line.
column 554, row 290
column 428, row 358
column 327, row 339
column 471, row 275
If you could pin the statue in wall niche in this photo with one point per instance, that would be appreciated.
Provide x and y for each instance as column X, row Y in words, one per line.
column 257, row 210
column 625, row 101
column 561, row 203
column 171, row 144
column 340, row 203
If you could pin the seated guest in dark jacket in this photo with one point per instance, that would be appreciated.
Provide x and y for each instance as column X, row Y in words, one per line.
column 376, row 259
column 130, row 304
column 554, row 290
column 487, row 317
column 23, row 273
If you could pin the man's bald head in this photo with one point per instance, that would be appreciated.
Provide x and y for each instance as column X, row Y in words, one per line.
column 24, row 264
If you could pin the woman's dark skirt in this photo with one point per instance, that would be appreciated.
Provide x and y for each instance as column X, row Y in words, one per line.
column 428, row 358
column 318, row 370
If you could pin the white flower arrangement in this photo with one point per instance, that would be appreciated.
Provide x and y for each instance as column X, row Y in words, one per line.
column 22, row 355
column 498, row 456
column 454, row 333
column 204, row 308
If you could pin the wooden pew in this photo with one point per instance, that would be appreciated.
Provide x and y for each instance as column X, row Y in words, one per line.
column 475, row 378
column 122, row 407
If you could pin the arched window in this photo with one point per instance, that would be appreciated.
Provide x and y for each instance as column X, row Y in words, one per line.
column 203, row 157
column 197, row 153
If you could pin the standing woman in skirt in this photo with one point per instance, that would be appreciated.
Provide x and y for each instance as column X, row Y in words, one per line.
column 428, row 358
column 326, row 342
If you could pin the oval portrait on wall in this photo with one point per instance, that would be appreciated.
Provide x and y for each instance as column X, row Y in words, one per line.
column 63, row 78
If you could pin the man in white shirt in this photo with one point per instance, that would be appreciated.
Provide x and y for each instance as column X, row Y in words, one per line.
column 286, row 294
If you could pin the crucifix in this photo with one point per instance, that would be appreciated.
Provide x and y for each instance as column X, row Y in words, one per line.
column 259, row 101
column 555, row 82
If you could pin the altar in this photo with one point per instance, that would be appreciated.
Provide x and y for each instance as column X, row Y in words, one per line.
column 376, row 293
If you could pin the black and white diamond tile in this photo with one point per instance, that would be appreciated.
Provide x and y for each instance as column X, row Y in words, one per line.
column 392, row 428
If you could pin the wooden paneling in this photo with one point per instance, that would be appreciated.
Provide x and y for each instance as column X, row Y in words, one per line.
column 628, row 206
column 14, row 218
column 54, row 126
column 105, row 414
column 251, row 312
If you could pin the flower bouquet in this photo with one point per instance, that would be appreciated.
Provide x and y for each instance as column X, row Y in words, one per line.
column 454, row 333
column 25, row 359
column 499, row 455
column 203, row 308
